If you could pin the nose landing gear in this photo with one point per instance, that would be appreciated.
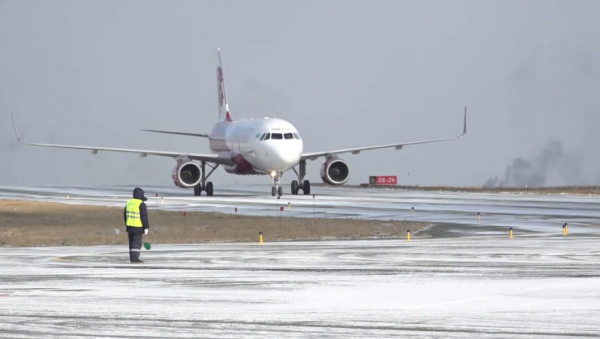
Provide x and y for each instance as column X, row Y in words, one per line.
column 276, row 189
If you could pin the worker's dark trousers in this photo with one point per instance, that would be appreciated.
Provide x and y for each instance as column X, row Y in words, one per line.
column 135, row 246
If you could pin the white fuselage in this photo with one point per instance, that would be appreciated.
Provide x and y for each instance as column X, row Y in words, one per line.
column 257, row 146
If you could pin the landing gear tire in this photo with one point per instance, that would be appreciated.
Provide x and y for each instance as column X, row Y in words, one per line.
column 280, row 191
column 295, row 187
column 197, row 190
column 306, row 187
column 209, row 188
column 273, row 191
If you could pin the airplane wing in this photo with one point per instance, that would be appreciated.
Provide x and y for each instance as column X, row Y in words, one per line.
column 212, row 158
column 357, row 150
column 177, row 133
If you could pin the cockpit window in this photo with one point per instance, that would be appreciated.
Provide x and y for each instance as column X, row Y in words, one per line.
column 288, row 136
column 267, row 136
column 257, row 135
column 297, row 136
column 277, row 136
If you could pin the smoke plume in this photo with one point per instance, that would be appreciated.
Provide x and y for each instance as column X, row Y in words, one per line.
column 552, row 165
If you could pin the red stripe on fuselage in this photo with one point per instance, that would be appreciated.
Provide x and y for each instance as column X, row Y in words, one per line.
column 218, row 144
column 242, row 166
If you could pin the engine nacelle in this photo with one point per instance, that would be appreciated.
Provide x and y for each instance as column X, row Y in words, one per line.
column 335, row 172
column 186, row 174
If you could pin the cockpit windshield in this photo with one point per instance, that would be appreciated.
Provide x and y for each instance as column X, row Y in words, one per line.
column 278, row 136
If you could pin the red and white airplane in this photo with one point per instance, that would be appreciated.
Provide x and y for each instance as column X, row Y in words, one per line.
column 257, row 146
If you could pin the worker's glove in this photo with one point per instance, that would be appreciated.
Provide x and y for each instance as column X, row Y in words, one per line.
column 145, row 231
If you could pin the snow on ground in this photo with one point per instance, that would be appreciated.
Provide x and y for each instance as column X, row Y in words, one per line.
column 466, row 281
column 472, row 287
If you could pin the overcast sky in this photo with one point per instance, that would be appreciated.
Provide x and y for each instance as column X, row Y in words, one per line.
column 345, row 73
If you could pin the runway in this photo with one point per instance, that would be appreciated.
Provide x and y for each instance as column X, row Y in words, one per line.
column 461, row 278
column 499, row 212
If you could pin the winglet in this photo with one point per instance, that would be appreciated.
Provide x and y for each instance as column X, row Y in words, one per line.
column 17, row 131
column 464, row 126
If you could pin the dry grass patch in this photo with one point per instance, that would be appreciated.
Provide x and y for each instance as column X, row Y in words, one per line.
column 27, row 223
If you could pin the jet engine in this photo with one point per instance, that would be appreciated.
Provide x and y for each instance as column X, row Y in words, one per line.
column 186, row 174
column 335, row 172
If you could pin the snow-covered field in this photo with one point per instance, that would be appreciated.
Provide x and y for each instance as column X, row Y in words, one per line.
column 472, row 287
column 476, row 283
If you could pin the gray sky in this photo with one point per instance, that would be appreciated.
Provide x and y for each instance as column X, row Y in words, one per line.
column 345, row 73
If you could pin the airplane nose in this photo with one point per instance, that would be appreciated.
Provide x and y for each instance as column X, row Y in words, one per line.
column 289, row 155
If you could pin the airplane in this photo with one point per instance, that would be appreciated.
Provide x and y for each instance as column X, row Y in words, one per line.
column 256, row 146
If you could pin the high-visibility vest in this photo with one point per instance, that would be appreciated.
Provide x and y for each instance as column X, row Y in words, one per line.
column 132, row 212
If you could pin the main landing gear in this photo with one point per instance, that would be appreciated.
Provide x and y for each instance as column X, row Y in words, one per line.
column 301, row 184
column 204, row 185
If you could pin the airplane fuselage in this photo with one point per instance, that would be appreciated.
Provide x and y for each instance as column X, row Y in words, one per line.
column 257, row 146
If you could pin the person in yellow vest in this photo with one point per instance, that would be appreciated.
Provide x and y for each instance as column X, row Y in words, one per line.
column 136, row 220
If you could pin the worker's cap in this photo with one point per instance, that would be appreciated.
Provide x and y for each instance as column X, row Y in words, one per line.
column 138, row 193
